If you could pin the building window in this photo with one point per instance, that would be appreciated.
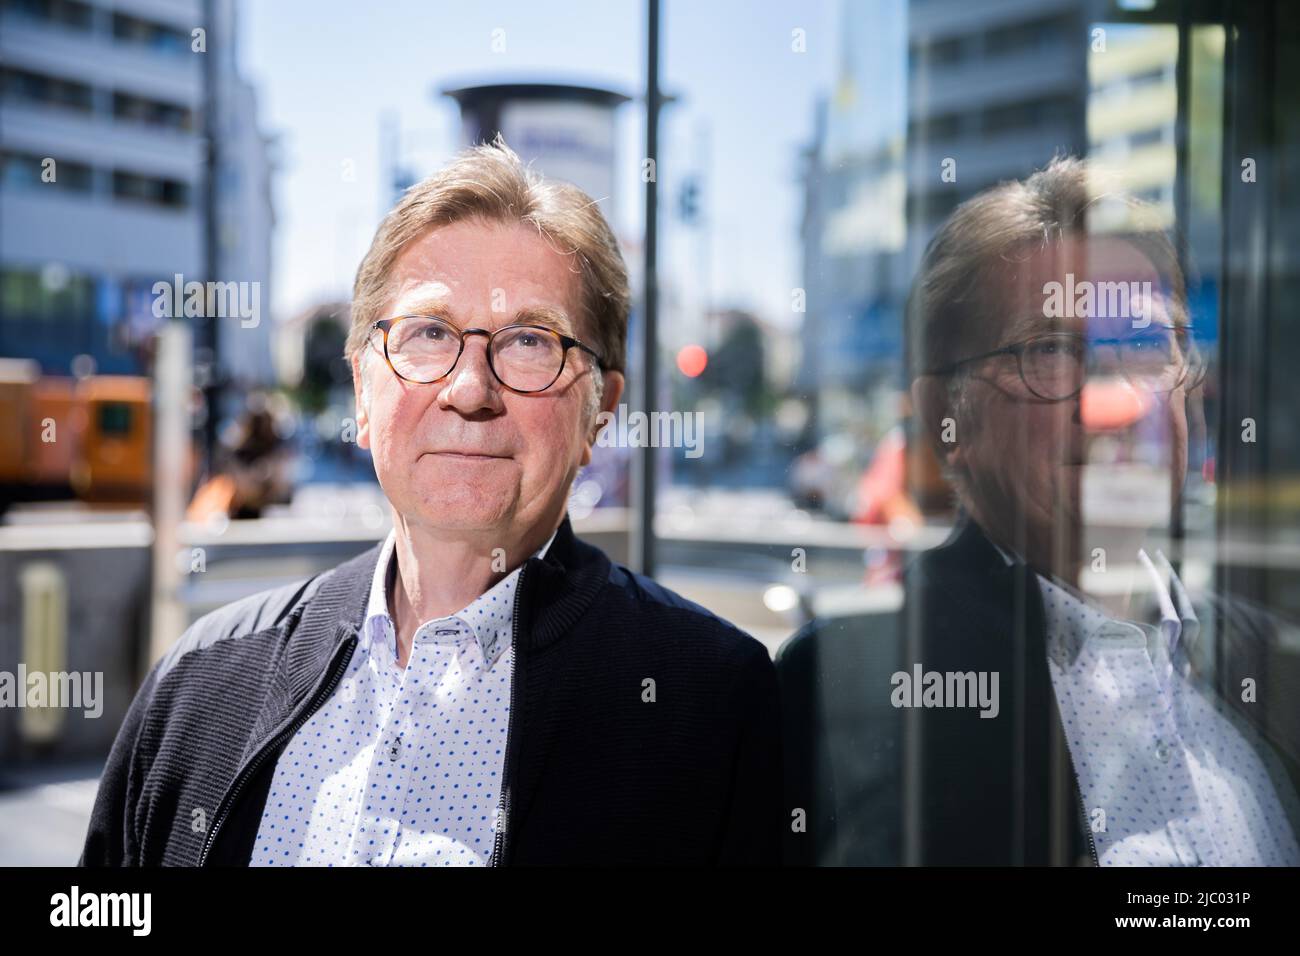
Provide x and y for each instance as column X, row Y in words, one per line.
column 114, row 419
column 939, row 53
column 146, row 33
column 137, row 109
column 52, row 295
column 25, row 171
column 64, row 13
column 1156, row 76
column 22, row 86
column 1022, row 37
column 151, row 189
column 1148, row 137
column 1027, row 114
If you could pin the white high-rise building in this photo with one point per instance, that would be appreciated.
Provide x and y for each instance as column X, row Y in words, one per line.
column 102, row 179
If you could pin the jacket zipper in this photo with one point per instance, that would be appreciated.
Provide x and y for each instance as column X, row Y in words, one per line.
column 1083, row 809
column 223, row 811
column 503, row 805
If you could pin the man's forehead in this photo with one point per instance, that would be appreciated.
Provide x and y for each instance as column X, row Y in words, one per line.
column 1076, row 285
column 412, row 294
column 1098, row 258
column 1104, row 322
column 465, row 264
column 412, row 289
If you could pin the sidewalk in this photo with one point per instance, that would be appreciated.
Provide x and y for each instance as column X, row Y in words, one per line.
column 44, row 813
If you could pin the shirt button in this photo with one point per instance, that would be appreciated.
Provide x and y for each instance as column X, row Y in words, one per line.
column 1162, row 751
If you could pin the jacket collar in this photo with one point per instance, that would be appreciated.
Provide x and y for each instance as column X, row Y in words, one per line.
column 969, row 553
column 556, row 590
column 991, row 618
column 491, row 638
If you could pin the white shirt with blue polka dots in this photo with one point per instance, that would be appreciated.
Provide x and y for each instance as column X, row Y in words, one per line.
column 1176, row 783
column 401, row 766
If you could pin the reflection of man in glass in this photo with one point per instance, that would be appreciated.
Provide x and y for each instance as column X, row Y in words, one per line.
column 1053, row 367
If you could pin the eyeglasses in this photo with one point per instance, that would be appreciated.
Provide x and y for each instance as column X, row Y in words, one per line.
column 1055, row 365
column 524, row 358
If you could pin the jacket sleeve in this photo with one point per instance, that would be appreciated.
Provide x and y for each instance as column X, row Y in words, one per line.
column 754, row 823
column 111, row 839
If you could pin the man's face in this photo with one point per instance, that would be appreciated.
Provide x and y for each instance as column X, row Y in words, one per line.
column 465, row 456
column 1024, row 459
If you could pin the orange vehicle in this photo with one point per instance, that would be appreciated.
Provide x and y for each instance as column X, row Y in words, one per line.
column 89, row 438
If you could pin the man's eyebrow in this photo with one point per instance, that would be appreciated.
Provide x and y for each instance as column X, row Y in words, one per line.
column 425, row 305
column 1025, row 326
column 545, row 315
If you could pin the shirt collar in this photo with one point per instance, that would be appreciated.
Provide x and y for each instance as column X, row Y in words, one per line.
column 1175, row 604
column 1178, row 618
column 492, row 639
column 1072, row 620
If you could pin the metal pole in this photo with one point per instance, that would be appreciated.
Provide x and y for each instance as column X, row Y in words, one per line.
column 171, row 385
column 1182, row 227
column 705, row 223
column 210, row 335
column 643, row 476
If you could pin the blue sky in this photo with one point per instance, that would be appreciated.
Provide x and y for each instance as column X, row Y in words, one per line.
column 326, row 70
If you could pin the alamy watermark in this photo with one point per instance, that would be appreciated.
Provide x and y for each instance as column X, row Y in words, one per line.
column 923, row 688
column 75, row 908
column 221, row 300
column 70, row 689
column 1085, row 299
column 654, row 430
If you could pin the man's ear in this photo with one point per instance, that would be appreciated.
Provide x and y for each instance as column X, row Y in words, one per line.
column 613, row 391
column 934, row 417
column 362, row 410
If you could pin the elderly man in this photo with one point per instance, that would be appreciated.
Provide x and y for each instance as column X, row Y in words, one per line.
column 1051, row 692
column 482, row 687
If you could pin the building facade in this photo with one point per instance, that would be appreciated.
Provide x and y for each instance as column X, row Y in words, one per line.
column 102, row 178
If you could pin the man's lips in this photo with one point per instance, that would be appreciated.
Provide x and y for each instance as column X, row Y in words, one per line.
column 466, row 453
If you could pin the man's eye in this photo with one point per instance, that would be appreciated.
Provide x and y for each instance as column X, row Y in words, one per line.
column 1057, row 347
column 523, row 340
column 1148, row 345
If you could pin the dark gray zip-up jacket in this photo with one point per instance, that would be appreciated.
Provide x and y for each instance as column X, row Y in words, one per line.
column 598, row 770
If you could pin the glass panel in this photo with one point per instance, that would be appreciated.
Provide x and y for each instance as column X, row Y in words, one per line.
column 1023, row 613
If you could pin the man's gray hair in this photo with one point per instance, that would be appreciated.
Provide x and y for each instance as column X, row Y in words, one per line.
column 489, row 182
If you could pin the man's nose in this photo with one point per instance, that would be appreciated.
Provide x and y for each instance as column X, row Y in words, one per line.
column 471, row 387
